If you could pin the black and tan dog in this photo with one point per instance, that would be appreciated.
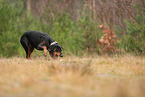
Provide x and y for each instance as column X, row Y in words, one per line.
column 40, row 41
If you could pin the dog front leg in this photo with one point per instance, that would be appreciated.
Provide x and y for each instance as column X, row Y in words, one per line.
column 45, row 50
column 41, row 46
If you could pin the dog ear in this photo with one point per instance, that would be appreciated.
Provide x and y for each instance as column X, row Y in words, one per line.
column 51, row 48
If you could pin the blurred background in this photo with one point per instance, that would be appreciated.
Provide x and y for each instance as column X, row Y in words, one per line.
column 74, row 24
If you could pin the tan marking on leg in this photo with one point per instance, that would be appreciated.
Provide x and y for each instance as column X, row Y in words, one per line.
column 45, row 50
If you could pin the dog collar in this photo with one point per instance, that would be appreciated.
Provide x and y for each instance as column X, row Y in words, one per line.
column 53, row 43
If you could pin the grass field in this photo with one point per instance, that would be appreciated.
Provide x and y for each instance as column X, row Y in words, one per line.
column 93, row 76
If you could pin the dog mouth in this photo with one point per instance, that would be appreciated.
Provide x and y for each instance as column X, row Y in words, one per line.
column 56, row 55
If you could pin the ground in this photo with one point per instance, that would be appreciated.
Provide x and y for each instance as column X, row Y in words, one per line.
column 70, row 76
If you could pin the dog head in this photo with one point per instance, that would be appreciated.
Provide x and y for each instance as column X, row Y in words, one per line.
column 55, row 51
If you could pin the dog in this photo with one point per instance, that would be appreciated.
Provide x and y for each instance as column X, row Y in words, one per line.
column 40, row 41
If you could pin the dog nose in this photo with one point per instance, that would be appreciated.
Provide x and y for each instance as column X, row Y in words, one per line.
column 61, row 55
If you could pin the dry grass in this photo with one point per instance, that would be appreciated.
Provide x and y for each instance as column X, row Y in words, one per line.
column 73, row 77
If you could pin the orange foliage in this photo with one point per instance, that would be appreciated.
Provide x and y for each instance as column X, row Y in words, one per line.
column 108, row 40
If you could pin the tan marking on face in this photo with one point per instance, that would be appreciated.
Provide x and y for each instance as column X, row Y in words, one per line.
column 56, row 53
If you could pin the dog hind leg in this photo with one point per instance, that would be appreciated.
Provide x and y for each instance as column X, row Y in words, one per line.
column 25, row 43
column 30, row 50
